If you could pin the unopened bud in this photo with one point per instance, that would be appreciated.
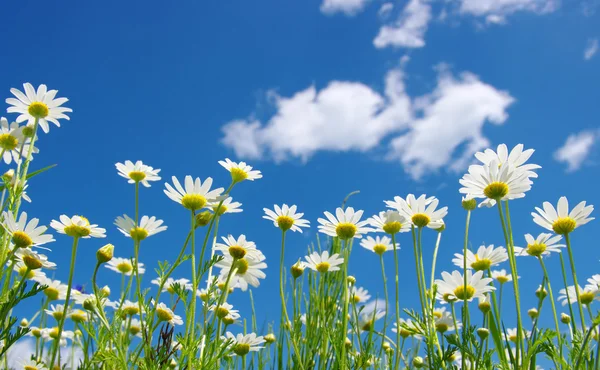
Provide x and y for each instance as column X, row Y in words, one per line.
column 105, row 253
column 533, row 313
column 485, row 306
column 351, row 280
column 203, row 218
column 483, row 333
column 105, row 291
column 24, row 323
column 8, row 175
column 469, row 204
column 565, row 319
column 348, row 342
column 88, row 304
column 418, row 362
column 541, row 293
column 297, row 269
column 270, row 338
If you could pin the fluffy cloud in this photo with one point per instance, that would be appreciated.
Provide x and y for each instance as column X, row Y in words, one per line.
column 576, row 149
column 495, row 11
column 348, row 7
column 590, row 49
column 409, row 29
column 23, row 349
column 425, row 134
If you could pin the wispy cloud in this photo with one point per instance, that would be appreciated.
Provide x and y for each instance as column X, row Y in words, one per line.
column 577, row 149
column 591, row 49
column 348, row 7
column 408, row 30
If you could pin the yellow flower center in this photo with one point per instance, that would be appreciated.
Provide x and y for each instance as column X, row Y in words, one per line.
column 420, row 219
column 21, row 239
column 228, row 320
column 131, row 310
column 137, row 176
column 78, row 231
column 163, row 314
column 138, row 233
column 58, row 315
column 392, row 227
column 241, row 349
column 125, row 267
column 8, row 142
column 502, row 279
column 449, row 298
column 204, row 297
column 78, row 316
column 221, row 312
column 379, row 249
column 536, row 249
column 367, row 325
column 586, row 297
column 134, row 329
column 36, row 332
column 356, row 298
column 222, row 209
column 193, row 202
column 564, row 225
column 481, row 264
column 237, row 251
column 32, row 262
column 38, row 110
column 496, row 190
column 242, row 266
column 237, row 174
column 52, row 293
column 285, row 222
column 512, row 338
column 26, row 270
column 441, row 327
column 28, row 131
column 462, row 294
column 345, row 230
column 53, row 333
column 29, row 367
column 437, row 314
column 323, row 266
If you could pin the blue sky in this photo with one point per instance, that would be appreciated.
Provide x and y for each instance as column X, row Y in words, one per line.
column 318, row 99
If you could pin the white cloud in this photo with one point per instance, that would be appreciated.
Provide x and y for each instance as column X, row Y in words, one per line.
column 590, row 49
column 576, row 149
column 425, row 134
column 24, row 348
column 385, row 9
column 495, row 11
column 409, row 29
column 348, row 7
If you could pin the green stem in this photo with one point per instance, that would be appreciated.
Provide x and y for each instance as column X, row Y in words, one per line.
column 190, row 326
column 346, row 255
column 466, row 305
column 558, row 335
column 397, row 354
column 574, row 273
column 385, row 290
column 564, row 275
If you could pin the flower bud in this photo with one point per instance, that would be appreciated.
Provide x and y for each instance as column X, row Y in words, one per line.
column 28, row 131
column 485, row 306
column 172, row 364
column 469, row 203
column 541, row 293
column 105, row 291
column 24, row 323
column 348, row 342
column 270, row 338
column 418, row 362
column 297, row 269
column 203, row 218
column 533, row 313
column 105, row 253
column 483, row 333
column 8, row 175
column 88, row 304
column 351, row 280
column 565, row 319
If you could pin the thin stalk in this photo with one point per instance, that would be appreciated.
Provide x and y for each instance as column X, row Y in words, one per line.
column 191, row 324
column 559, row 337
column 384, row 279
column 466, row 305
column 397, row 355
column 574, row 273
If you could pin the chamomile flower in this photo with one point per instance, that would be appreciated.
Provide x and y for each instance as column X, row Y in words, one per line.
column 24, row 271
column 594, row 281
column 560, row 220
column 242, row 344
column 51, row 334
column 240, row 171
column 543, row 245
column 323, row 262
column 516, row 158
column 57, row 311
column 54, row 290
column 248, row 271
column 38, row 105
column 502, row 276
column 485, row 258
column 12, row 142
column 370, row 313
column 165, row 314
column 169, row 285
column 32, row 365
column 130, row 308
column 148, row 226
column 123, row 266
column 25, row 234
column 408, row 328
column 286, row 218
column 359, row 295
column 34, row 260
column 421, row 211
column 345, row 224
column 135, row 327
column 238, row 248
column 494, row 182
column 196, row 193
column 512, row 333
column 77, row 227
column 78, row 316
column 379, row 244
column 137, row 172
column 390, row 222
column 223, row 310
column 587, row 295
column 452, row 286
column 445, row 323
column 228, row 206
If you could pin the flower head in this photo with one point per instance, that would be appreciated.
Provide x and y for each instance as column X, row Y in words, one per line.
column 238, row 248
column 445, row 323
column 359, row 295
column 247, row 270
column 390, row 222
column 54, row 290
column 123, row 266
column 323, row 262
column 452, row 286
column 34, row 260
column 25, row 234
column 77, row 227
column 242, row 344
column 379, row 244
column 11, row 141
column 227, row 206
column 560, row 220
column 370, row 313
column 511, row 335
column 38, row 105
column 32, row 365
column 137, row 172
column 165, row 314
column 195, row 195
column 421, row 211
column 543, row 245
column 494, row 182
column 148, row 226
column 502, row 276
column 170, row 283
column 516, row 158
column 587, row 295
column 286, row 218
column 345, row 224
column 485, row 258
column 240, row 171
column 408, row 328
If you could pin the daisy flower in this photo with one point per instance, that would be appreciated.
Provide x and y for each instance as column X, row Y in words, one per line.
column 560, row 220
column 511, row 335
column 371, row 312
column 123, row 266
column 516, row 158
column 247, row 270
column 130, row 308
column 54, row 289
column 452, row 287
column 323, row 262
column 240, row 171
column 242, row 344
column 34, row 260
column 408, row 328
column 50, row 334
column 421, row 211
column 228, row 206
column 38, row 105
column 169, row 285
column 195, row 195
column 57, row 311
column 502, row 276
column 164, row 313
column 286, row 218
column 345, row 224
column 594, row 281
column 379, row 244
column 586, row 295
column 32, row 365
column 238, row 248
column 494, row 182
column 390, row 222
column 445, row 323
column 543, row 245
column 148, row 226
column 224, row 309
column 78, row 316
column 135, row 327
column 11, row 141
column 137, row 172
column 25, row 234
column 77, row 227
column 485, row 258
column 359, row 295
column 22, row 269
